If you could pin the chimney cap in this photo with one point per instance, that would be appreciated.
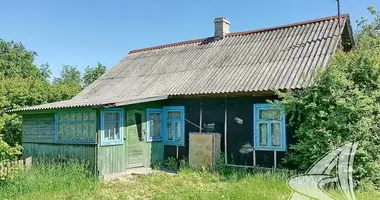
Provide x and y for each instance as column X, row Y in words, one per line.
column 221, row 19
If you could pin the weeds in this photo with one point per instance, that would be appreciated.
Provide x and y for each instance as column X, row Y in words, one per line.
column 50, row 181
column 73, row 180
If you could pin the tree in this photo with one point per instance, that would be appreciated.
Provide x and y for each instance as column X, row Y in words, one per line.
column 17, row 92
column 344, row 106
column 23, row 84
column 17, row 61
column 93, row 73
column 69, row 74
column 45, row 71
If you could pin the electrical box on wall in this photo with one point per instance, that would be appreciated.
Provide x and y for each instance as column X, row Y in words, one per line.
column 204, row 149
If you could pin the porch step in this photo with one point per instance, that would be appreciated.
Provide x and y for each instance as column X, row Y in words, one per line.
column 127, row 172
column 135, row 171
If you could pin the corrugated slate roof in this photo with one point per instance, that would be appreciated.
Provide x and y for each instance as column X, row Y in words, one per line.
column 282, row 57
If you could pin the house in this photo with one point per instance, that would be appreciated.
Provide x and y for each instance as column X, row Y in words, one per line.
column 142, row 110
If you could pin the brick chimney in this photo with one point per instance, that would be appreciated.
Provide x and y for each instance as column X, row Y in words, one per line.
column 222, row 27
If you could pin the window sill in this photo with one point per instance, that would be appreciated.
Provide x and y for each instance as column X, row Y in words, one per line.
column 174, row 144
column 268, row 149
column 115, row 143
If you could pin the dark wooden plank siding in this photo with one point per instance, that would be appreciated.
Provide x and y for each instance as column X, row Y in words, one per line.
column 238, row 134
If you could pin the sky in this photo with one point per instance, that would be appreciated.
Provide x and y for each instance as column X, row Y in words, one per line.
column 85, row 32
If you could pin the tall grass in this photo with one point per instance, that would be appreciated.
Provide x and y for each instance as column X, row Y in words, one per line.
column 71, row 180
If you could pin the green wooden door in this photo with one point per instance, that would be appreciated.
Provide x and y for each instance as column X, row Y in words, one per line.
column 135, row 138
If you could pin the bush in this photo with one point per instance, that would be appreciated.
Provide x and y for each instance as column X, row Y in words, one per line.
column 344, row 106
column 7, row 155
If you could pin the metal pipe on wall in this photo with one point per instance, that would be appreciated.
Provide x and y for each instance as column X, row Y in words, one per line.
column 225, row 129
column 275, row 159
column 200, row 116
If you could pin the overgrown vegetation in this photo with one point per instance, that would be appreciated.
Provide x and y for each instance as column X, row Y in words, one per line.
column 343, row 107
column 53, row 181
column 8, row 154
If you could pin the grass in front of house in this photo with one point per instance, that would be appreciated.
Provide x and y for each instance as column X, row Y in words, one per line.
column 74, row 182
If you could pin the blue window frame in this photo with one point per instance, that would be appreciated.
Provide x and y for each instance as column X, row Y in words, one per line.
column 269, row 127
column 75, row 126
column 111, row 126
column 174, row 125
column 154, row 125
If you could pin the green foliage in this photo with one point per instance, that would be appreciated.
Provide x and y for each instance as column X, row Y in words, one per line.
column 7, row 155
column 16, row 92
column 343, row 107
column 368, row 32
column 72, row 181
column 51, row 181
column 70, row 75
column 171, row 163
column 45, row 71
column 17, row 61
column 23, row 84
column 93, row 73
column 12, row 129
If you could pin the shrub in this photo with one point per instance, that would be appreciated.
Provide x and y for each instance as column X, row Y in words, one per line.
column 7, row 155
column 344, row 106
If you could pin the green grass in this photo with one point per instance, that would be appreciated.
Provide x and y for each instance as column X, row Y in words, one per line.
column 74, row 182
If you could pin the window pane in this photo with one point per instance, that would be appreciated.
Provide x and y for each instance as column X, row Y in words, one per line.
column 276, row 134
column 174, row 115
column 116, row 116
column 71, row 132
column 85, row 116
column 270, row 114
column 91, row 130
column 92, row 115
column 61, row 130
column 107, row 116
column 78, row 116
column 106, row 131
column 64, row 117
column 117, row 131
column 178, row 132
column 86, row 134
column 72, row 116
column 78, row 131
column 170, row 131
column 155, row 124
column 112, row 126
column 263, row 134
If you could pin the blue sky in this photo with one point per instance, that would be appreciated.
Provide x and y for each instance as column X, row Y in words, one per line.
column 84, row 32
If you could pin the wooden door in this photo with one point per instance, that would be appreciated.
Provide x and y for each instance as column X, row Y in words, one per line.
column 135, row 138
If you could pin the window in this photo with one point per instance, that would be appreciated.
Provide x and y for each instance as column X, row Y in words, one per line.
column 76, row 126
column 167, row 125
column 154, row 125
column 111, row 127
column 269, row 127
column 174, row 125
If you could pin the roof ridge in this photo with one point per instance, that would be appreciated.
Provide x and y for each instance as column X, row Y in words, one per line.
column 239, row 33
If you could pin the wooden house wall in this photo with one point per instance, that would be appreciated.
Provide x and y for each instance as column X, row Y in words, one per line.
column 135, row 152
column 38, row 140
column 213, row 111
